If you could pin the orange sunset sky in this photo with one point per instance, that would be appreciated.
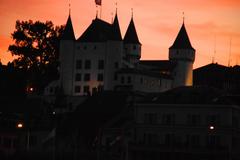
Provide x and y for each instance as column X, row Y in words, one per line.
column 157, row 23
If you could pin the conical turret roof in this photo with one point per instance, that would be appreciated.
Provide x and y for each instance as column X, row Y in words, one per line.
column 182, row 41
column 131, row 34
column 116, row 33
column 68, row 33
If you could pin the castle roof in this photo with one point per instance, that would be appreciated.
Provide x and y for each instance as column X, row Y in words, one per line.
column 193, row 95
column 116, row 30
column 131, row 34
column 68, row 33
column 144, row 72
column 159, row 65
column 182, row 41
column 101, row 31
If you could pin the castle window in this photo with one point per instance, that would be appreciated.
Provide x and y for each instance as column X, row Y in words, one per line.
column 100, row 88
column 160, row 82
column 79, row 64
column 51, row 89
column 86, row 89
column 115, row 77
column 168, row 119
column 122, row 80
column 150, row 118
column 77, row 89
column 141, row 80
column 212, row 140
column 101, row 64
column 87, row 64
column 116, row 65
column 195, row 140
column 212, row 119
column 78, row 77
column 87, row 77
column 193, row 119
column 94, row 90
column 100, row 77
column 169, row 139
column 129, row 79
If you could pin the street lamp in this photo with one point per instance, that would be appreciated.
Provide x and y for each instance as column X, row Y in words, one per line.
column 20, row 125
column 211, row 127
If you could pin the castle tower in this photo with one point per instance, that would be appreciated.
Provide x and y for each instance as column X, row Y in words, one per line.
column 132, row 45
column 66, row 58
column 116, row 30
column 114, row 54
column 183, row 54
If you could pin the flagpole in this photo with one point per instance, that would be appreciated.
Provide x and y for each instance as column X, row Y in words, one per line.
column 101, row 11
column 96, row 11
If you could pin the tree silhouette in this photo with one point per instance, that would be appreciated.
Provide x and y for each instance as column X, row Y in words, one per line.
column 36, row 45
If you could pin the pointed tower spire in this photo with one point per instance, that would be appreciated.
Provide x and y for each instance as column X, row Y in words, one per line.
column 131, row 34
column 183, row 17
column 116, row 7
column 182, row 41
column 116, row 29
column 68, row 33
column 132, row 12
column 69, row 5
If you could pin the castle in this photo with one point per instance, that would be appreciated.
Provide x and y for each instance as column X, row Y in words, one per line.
column 100, row 59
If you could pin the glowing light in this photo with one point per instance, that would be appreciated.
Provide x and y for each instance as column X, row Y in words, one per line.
column 54, row 113
column 211, row 127
column 19, row 125
column 31, row 89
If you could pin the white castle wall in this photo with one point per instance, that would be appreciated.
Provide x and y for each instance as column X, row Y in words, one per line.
column 184, row 69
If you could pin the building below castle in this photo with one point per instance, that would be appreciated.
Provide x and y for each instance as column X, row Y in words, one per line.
column 100, row 59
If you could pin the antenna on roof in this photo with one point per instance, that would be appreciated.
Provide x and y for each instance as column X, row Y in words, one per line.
column 116, row 4
column 183, row 17
column 132, row 12
column 101, row 10
column 112, row 16
column 214, row 52
column 69, row 5
column 230, row 48
column 96, row 12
